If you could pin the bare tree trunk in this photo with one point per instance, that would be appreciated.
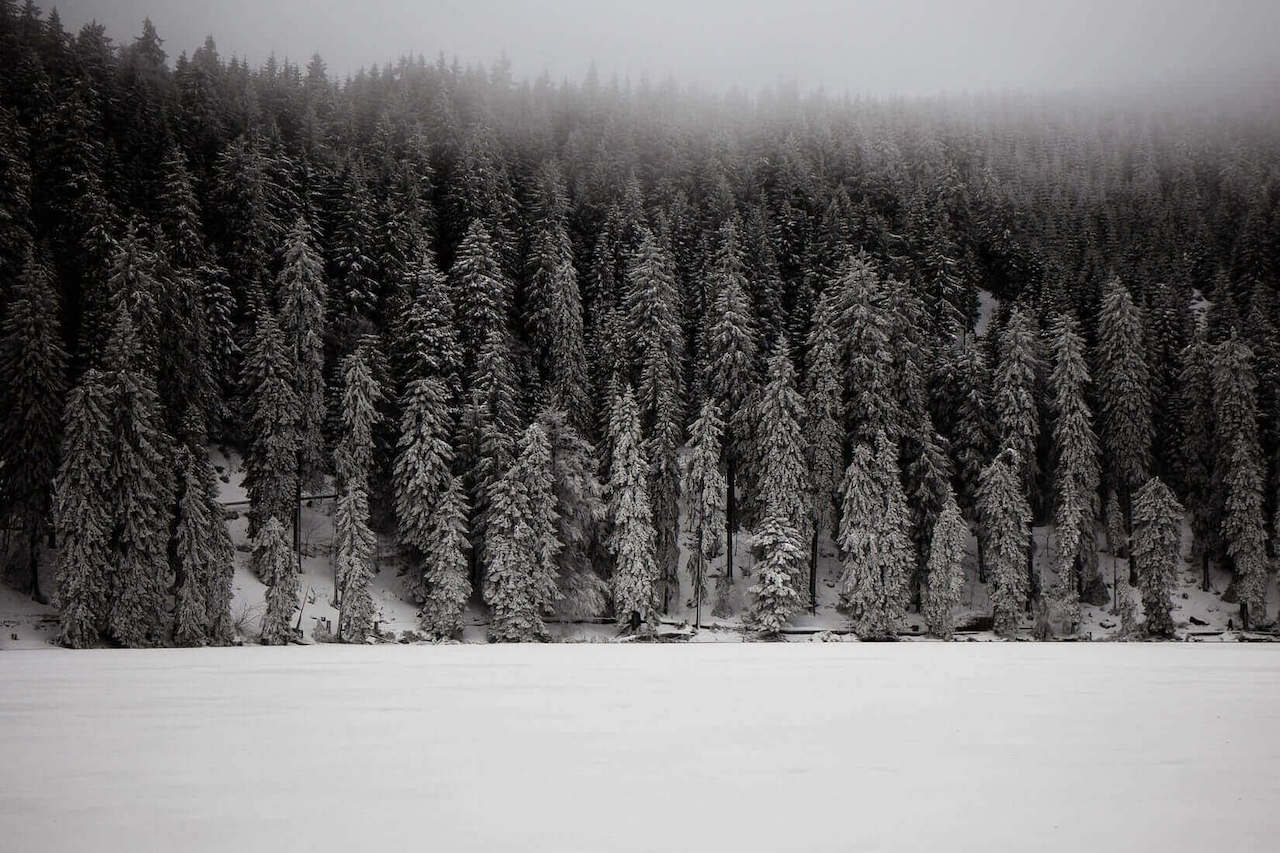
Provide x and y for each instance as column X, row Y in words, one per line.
column 1204, row 569
column 730, row 517
column 813, row 572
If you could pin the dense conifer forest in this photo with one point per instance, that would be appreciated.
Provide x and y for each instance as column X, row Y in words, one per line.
column 562, row 341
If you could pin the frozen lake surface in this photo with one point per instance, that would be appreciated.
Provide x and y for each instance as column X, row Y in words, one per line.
column 788, row 747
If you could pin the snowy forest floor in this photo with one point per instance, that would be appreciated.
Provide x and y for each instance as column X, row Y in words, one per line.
column 25, row 623
column 637, row 748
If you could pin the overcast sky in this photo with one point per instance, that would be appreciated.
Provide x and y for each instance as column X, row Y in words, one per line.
column 878, row 47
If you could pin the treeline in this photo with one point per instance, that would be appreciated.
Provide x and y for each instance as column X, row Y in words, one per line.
column 558, row 337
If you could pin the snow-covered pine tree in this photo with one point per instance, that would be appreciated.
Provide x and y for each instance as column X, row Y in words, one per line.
column 83, row 506
column 1125, row 392
column 273, row 562
column 32, row 391
column 480, row 290
column 780, row 447
column 446, row 572
column 301, row 290
column 424, row 457
column 361, row 394
column 521, row 544
column 973, row 438
column 351, row 249
column 354, row 545
column 865, row 324
column 196, row 552
column 1241, row 476
column 580, row 516
column 271, row 459
column 491, row 428
column 1017, row 420
column 945, row 570
column 355, row 542
column 702, row 489
column 141, row 487
column 652, row 314
column 774, row 597
column 1006, row 520
column 783, row 492
column 1157, row 545
column 824, row 438
column 635, row 572
column 874, row 546
column 731, row 366
column 425, row 344
column 1196, row 449
column 1076, row 467
column 928, row 486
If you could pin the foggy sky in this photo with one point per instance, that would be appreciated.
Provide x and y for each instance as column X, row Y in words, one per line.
column 879, row 47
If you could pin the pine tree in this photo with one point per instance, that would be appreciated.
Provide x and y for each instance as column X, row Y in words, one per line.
column 301, row 291
column 580, row 515
column 973, row 439
column 731, row 362
column 1076, row 471
column 426, row 339
column 1196, row 446
column 1017, row 423
column 480, row 291
column 83, row 507
column 945, row 569
column 444, row 555
column 635, row 572
column 32, row 388
column 491, row 425
column 874, row 546
column 1006, row 520
column 1241, row 476
column 141, row 492
column 354, row 546
column 274, row 564
column 865, row 323
column 1125, row 391
column 271, row 460
column 361, row 394
column 1157, row 545
column 522, row 546
column 824, row 437
column 702, row 488
column 774, row 597
column 421, row 476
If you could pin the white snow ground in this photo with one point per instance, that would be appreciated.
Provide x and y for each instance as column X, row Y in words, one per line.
column 839, row 747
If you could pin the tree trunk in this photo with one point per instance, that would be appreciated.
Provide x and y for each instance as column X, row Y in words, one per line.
column 813, row 572
column 1128, row 530
column 697, row 590
column 730, row 517
column 1204, row 569
column 33, row 558
column 982, row 565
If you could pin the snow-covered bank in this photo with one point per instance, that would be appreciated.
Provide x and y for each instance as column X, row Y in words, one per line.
column 1022, row 746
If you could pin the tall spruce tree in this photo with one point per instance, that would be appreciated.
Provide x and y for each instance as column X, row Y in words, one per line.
column 945, row 569
column 274, row 564
column 83, row 507
column 774, row 597
column 731, row 365
column 1241, row 476
column 824, row 442
column 522, row 546
column 1076, row 467
column 271, row 459
column 580, row 517
column 635, row 572
column 480, row 291
column 354, row 546
column 424, row 457
column 1006, row 522
column 702, row 489
column 874, row 545
column 141, row 486
column 444, row 556
column 1125, row 391
column 32, row 390
column 1157, row 545
column 1196, row 437
column 782, row 483
column 301, row 289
